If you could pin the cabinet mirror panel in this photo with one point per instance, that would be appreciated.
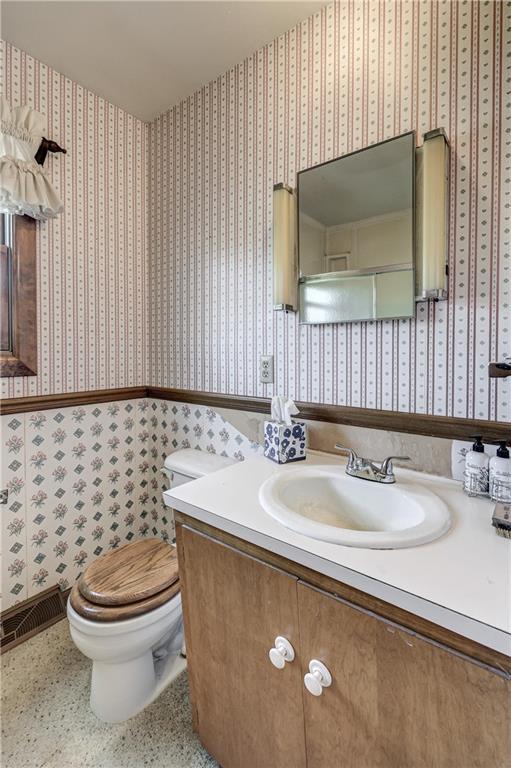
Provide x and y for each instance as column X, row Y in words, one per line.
column 356, row 235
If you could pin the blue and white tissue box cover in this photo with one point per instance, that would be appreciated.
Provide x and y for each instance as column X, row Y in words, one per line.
column 283, row 443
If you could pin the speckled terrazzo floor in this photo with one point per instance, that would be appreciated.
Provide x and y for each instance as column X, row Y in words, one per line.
column 46, row 720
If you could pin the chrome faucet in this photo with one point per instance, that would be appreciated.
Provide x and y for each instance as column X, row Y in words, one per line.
column 367, row 469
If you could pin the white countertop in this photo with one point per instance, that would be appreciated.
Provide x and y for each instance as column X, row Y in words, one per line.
column 461, row 581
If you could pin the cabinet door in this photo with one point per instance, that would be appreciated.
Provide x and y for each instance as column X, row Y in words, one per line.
column 248, row 713
column 396, row 700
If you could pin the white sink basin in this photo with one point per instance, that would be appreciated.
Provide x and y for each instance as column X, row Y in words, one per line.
column 324, row 503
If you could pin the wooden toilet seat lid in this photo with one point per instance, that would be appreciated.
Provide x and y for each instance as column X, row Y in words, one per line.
column 119, row 612
column 130, row 574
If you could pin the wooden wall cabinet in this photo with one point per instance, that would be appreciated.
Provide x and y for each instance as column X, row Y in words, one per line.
column 396, row 700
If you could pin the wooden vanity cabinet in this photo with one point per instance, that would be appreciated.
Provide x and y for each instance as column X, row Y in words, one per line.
column 246, row 713
column 396, row 700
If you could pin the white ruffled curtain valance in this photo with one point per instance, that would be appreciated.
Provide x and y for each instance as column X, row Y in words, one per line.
column 24, row 186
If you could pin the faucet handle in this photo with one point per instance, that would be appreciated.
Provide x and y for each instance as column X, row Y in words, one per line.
column 347, row 452
column 386, row 466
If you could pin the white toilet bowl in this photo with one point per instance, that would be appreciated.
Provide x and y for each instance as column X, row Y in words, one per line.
column 133, row 660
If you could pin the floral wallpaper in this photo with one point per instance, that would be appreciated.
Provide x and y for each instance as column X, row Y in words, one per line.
column 85, row 480
column 175, row 425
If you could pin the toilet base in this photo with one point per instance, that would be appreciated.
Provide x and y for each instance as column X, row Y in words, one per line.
column 133, row 660
column 120, row 691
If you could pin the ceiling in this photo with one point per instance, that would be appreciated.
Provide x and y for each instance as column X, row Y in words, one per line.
column 145, row 55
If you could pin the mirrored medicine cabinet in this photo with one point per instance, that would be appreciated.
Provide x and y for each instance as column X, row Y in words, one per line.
column 363, row 236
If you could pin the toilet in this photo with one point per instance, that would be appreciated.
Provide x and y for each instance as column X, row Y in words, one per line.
column 125, row 611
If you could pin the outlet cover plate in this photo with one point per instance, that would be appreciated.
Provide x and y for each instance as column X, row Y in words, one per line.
column 266, row 369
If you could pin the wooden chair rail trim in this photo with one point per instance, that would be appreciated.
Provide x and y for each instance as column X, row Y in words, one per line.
column 68, row 399
column 427, row 629
column 412, row 423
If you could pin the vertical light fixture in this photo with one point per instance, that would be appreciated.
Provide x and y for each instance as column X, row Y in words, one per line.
column 432, row 207
column 285, row 273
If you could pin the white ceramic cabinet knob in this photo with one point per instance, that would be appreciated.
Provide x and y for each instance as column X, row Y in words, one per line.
column 282, row 651
column 317, row 678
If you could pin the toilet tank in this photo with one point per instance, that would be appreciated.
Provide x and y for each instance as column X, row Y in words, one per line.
column 189, row 464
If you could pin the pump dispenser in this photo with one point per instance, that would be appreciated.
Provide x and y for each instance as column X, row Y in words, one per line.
column 475, row 481
column 500, row 474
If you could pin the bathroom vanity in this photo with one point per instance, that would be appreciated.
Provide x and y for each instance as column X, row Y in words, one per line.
column 415, row 680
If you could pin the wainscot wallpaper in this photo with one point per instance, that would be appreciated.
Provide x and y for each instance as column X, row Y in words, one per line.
column 351, row 75
column 92, row 259
column 85, row 480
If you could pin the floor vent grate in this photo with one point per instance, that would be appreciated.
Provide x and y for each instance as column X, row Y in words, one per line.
column 31, row 616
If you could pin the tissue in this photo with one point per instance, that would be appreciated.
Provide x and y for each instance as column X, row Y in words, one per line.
column 284, row 440
column 282, row 409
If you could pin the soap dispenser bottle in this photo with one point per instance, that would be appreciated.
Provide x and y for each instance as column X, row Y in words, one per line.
column 475, row 481
column 500, row 474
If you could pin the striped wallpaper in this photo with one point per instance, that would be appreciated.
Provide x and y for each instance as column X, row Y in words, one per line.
column 352, row 75
column 92, row 260
column 191, row 305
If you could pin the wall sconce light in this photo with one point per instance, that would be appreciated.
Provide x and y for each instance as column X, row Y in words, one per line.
column 285, row 272
column 432, row 220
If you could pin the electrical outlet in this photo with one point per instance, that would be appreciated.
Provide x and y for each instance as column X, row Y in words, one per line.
column 266, row 369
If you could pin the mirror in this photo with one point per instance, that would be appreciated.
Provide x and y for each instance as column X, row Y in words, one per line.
column 356, row 235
